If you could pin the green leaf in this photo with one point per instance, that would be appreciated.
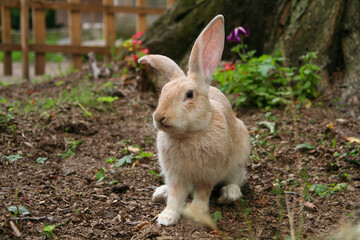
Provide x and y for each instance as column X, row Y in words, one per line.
column 321, row 190
column 100, row 175
column 3, row 100
column 144, row 155
column 122, row 161
column 111, row 159
column 41, row 160
column 49, row 228
column 23, row 211
column 113, row 182
column 304, row 146
column 59, row 83
column 217, row 216
column 108, row 99
column 13, row 158
column 153, row 172
column 340, row 187
column 264, row 68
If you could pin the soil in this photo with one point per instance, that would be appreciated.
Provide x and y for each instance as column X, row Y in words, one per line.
column 64, row 192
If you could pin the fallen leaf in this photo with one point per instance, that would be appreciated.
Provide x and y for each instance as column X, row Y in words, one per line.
column 269, row 125
column 134, row 149
column 16, row 231
column 311, row 206
column 352, row 139
column 304, row 146
column 141, row 225
column 216, row 233
column 341, row 120
column 308, row 104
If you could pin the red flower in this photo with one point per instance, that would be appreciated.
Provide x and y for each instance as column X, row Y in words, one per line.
column 135, row 58
column 229, row 66
column 137, row 35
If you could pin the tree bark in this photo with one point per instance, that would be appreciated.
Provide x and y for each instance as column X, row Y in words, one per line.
column 295, row 27
column 174, row 33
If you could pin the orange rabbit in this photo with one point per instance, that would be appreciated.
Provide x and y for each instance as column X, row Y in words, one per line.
column 200, row 141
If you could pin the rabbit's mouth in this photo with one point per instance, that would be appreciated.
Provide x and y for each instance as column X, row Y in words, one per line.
column 163, row 125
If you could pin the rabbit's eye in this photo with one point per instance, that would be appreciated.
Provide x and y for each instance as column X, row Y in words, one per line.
column 190, row 94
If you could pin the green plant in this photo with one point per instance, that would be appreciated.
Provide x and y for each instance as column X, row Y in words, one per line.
column 135, row 152
column 83, row 93
column 100, row 175
column 304, row 146
column 266, row 81
column 70, row 147
column 279, row 192
column 246, row 213
column 41, row 160
column 327, row 190
column 254, row 84
column 111, row 159
column 307, row 78
column 131, row 50
column 108, row 99
column 157, row 176
column 3, row 100
column 18, row 210
column 48, row 231
column 13, row 158
column 217, row 216
column 123, row 160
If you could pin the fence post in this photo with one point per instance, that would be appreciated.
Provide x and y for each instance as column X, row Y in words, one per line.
column 109, row 26
column 39, row 34
column 169, row 3
column 140, row 18
column 6, row 38
column 24, row 31
column 75, row 34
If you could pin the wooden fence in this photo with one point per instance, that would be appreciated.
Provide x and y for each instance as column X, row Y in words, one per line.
column 75, row 49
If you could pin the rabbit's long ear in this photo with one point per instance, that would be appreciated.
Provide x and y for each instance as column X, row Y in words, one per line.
column 167, row 67
column 207, row 51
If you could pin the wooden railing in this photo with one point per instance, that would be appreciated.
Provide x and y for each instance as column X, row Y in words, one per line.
column 75, row 49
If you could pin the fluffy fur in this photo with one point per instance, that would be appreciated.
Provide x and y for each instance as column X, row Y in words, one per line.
column 200, row 141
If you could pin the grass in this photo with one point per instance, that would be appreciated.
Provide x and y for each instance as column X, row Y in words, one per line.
column 49, row 57
column 51, row 38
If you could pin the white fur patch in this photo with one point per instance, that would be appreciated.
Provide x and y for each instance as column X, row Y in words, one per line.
column 160, row 194
column 230, row 193
column 168, row 217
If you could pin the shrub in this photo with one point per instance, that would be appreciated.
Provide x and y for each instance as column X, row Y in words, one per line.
column 266, row 81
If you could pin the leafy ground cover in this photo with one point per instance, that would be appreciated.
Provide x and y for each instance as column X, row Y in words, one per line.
column 78, row 161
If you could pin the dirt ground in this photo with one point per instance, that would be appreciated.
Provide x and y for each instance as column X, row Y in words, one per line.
column 64, row 192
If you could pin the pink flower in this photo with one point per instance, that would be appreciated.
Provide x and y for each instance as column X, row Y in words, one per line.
column 146, row 51
column 235, row 34
column 137, row 35
column 137, row 42
column 135, row 58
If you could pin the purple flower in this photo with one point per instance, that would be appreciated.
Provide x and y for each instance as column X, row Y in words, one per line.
column 235, row 34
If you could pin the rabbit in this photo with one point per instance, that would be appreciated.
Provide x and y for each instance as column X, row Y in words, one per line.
column 200, row 141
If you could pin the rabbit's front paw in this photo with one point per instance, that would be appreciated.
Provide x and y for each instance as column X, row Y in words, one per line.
column 168, row 217
column 229, row 193
column 160, row 194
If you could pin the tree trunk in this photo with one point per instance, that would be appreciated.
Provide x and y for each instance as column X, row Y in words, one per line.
column 295, row 27
column 174, row 33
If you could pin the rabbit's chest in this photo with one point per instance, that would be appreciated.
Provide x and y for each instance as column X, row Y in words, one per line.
column 194, row 160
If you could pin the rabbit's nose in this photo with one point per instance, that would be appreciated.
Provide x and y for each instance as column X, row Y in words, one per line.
column 159, row 117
